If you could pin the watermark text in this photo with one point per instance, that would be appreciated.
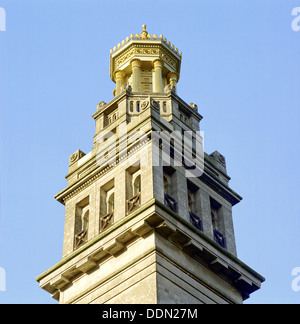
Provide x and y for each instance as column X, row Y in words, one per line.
column 296, row 21
column 161, row 148
column 2, row 279
column 2, row 19
column 296, row 280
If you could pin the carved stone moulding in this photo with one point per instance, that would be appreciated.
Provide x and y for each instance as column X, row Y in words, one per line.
column 76, row 156
column 124, row 57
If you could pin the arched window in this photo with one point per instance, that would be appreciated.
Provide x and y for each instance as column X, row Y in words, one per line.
column 215, row 211
column 110, row 204
column 133, row 191
column 214, row 218
column 166, row 184
column 107, row 205
column 85, row 220
column 190, row 201
column 81, row 222
column 137, row 185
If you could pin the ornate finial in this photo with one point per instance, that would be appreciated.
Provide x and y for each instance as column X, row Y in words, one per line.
column 144, row 33
column 194, row 106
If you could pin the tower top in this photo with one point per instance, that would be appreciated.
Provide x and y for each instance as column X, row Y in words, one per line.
column 148, row 214
column 145, row 35
column 145, row 49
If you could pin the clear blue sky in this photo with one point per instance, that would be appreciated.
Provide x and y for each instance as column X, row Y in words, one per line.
column 240, row 65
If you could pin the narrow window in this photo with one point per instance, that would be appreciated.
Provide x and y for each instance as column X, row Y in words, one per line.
column 107, row 205
column 215, row 208
column 81, row 222
column 133, row 190
column 190, row 201
column 214, row 211
column 169, row 200
column 194, row 206
column 137, row 185
column 166, row 184
column 110, row 204
column 85, row 220
column 164, row 107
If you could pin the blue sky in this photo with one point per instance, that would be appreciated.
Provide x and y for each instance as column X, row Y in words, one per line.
column 240, row 65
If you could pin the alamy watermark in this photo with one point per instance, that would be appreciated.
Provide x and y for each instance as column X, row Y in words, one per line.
column 160, row 148
column 296, row 280
column 2, row 279
column 296, row 21
column 2, row 19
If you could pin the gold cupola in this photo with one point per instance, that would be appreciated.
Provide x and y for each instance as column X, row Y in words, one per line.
column 147, row 63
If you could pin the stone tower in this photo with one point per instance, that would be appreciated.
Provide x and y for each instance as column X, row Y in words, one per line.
column 148, row 213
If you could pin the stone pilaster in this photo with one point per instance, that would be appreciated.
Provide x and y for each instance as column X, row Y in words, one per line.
column 120, row 80
column 173, row 79
column 157, row 84
column 136, row 74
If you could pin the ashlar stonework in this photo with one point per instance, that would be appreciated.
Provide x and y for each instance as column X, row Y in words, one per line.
column 138, row 231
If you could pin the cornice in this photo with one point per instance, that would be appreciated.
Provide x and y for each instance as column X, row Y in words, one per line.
column 110, row 103
column 95, row 173
column 186, row 105
column 209, row 179
column 136, row 49
column 158, row 220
